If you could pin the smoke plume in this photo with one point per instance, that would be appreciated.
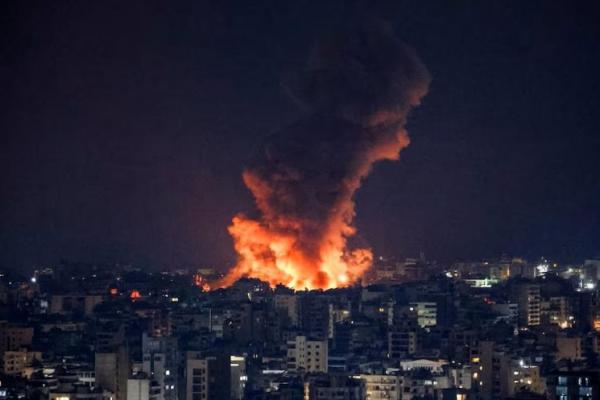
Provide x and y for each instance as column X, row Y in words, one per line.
column 357, row 90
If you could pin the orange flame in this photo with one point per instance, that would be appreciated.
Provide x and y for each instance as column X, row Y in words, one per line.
column 274, row 250
column 200, row 282
column 135, row 295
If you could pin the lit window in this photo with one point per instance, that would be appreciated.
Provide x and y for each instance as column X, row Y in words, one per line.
column 562, row 380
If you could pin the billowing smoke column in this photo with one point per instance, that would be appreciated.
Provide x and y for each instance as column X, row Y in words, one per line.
column 357, row 91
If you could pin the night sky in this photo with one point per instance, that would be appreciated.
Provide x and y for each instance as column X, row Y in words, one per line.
column 126, row 126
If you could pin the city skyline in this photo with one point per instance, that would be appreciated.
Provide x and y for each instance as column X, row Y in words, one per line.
column 300, row 200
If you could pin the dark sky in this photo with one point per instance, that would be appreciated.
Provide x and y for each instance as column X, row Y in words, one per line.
column 125, row 127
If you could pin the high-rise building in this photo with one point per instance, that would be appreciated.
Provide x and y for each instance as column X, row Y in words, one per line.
column 207, row 378
column 159, row 361
column 557, row 310
column 112, row 370
column 527, row 296
column 491, row 371
column 238, row 377
column 402, row 342
column 304, row 354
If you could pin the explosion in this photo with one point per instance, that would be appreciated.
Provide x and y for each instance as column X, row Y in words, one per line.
column 357, row 91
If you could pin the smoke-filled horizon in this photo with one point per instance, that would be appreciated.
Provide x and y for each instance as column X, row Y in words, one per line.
column 126, row 129
column 357, row 90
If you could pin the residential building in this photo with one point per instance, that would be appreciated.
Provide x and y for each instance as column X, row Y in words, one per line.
column 308, row 355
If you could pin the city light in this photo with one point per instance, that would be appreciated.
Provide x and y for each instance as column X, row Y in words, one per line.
column 263, row 200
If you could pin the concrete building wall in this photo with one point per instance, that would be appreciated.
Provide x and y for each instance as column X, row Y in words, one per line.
column 307, row 355
column 208, row 378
